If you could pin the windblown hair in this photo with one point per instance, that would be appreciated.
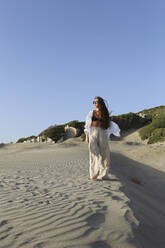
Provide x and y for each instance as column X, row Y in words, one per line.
column 105, row 123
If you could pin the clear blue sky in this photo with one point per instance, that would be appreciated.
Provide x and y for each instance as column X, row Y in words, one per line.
column 57, row 55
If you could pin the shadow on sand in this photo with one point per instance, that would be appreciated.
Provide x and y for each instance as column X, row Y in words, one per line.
column 147, row 198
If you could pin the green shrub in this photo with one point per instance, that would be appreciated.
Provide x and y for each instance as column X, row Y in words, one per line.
column 55, row 133
column 146, row 131
column 83, row 136
column 21, row 140
column 78, row 125
column 130, row 121
column 157, row 135
column 159, row 121
column 154, row 131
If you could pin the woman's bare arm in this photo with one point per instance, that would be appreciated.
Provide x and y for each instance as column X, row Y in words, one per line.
column 87, row 138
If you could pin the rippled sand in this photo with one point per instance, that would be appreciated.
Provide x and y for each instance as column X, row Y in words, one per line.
column 47, row 200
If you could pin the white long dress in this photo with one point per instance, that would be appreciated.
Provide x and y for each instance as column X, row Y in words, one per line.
column 99, row 152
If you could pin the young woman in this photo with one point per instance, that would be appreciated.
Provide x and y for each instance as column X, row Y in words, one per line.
column 98, row 128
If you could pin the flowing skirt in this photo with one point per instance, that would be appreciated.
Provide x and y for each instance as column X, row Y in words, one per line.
column 99, row 153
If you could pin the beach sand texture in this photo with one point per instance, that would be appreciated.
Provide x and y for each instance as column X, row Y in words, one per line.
column 47, row 200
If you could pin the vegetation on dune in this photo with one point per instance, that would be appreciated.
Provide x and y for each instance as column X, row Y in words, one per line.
column 153, row 111
column 76, row 124
column 150, row 121
column 55, row 133
column 58, row 131
column 83, row 136
column 159, row 121
column 25, row 139
column 130, row 121
column 146, row 131
column 157, row 135
column 155, row 131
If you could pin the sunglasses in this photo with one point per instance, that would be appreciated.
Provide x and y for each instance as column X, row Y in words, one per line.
column 95, row 101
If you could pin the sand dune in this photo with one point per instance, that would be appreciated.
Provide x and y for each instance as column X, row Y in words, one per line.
column 46, row 199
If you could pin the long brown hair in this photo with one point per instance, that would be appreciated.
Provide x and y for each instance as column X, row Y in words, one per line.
column 105, row 123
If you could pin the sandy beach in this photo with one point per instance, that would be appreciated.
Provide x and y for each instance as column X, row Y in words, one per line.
column 48, row 201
